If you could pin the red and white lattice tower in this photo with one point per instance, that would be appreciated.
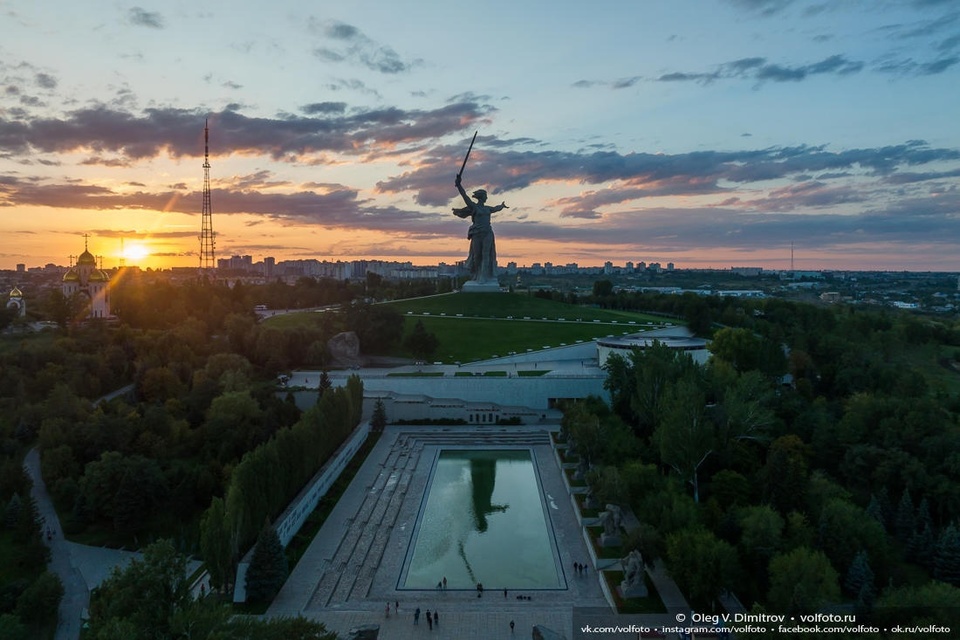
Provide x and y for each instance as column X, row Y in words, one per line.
column 208, row 261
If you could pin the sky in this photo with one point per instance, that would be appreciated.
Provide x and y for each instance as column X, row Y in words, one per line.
column 707, row 133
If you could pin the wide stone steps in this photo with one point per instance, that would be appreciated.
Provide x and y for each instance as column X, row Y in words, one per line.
column 517, row 438
column 350, row 573
column 381, row 536
column 363, row 546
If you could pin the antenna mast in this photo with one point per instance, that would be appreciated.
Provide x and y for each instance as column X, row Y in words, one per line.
column 207, row 258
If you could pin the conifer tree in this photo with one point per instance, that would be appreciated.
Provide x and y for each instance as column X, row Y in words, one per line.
column 860, row 578
column 268, row 567
column 946, row 565
column 379, row 419
column 906, row 522
column 875, row 511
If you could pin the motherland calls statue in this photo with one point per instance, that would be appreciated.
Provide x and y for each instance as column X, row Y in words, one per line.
column 482, row 260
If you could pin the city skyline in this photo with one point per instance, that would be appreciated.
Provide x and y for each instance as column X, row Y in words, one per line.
column 707, row 134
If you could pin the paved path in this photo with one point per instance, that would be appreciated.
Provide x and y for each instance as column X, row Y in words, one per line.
column 80, row 567
column 76, row 595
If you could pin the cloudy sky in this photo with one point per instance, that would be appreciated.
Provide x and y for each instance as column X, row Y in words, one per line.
column 700, row 132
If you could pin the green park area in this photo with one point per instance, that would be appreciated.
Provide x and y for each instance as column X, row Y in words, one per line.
column 477, row 326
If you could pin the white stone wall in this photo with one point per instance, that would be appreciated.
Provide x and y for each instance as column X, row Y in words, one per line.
column 293, row 517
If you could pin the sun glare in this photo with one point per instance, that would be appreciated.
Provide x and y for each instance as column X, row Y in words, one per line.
column 135, row 251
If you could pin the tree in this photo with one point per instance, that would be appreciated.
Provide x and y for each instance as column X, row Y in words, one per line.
column 946, row 564
column 744, row 415
column 933, row 603
column 654, row 370
column 702, row 564
column 379, row 419
column 906, row 522
column 762, row 531
column 143, row 595
column 583, row 428
column 12, row 629
column 323, row 384
column 421, row 343
column 218, row 544
column 785, row 474
column 859, row 582
column 802, row 581
column 268, row 567
column 845, row 529
column 739, row 347
column 602, row 289
column 37, row 605
column 686, row 435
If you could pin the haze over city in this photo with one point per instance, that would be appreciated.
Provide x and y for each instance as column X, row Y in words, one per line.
column 707, row 134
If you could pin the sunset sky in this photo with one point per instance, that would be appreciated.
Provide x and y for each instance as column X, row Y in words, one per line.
column 708, row 133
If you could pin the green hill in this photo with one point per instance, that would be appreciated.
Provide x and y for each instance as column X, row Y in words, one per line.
column 477, row 326
column 505, row 305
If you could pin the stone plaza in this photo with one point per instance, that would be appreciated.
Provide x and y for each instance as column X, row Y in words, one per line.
column 352, row 569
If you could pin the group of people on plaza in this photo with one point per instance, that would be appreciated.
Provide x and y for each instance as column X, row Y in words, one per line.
column 432, row 618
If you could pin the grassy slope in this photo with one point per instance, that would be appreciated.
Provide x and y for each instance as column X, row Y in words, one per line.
column 492, row 305
column 494, row 324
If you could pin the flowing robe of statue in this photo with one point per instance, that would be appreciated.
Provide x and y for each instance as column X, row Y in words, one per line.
column 482, row 259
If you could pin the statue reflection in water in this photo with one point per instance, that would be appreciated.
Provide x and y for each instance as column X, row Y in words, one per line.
column 483, row 477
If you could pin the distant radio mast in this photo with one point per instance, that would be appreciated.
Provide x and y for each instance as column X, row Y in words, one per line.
column 207, row 258
column 791, row 256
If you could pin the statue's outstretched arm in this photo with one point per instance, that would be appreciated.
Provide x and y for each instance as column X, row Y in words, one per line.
column 463, row 194
column 499, row 207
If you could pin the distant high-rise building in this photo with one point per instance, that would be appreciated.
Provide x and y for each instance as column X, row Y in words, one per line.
column 629, row 266
column 607, row 267
column 21, row 267
column 669, row 266
column 269, row 264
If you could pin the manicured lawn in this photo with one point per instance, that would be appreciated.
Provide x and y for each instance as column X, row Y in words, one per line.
column 502, row 305
column 476, row 326
column 469, row 339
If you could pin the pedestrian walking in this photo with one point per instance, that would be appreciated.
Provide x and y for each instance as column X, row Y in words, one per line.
column 436, row 618
column 444, row 583
column 429, row 620
column 511, row 626
column 504, row 592
column 396, row 607
column 416, row 616
column 388, row 609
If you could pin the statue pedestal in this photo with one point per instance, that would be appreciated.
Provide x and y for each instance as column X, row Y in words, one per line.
column 633, row 590
column 472, row 286
column 610, row 540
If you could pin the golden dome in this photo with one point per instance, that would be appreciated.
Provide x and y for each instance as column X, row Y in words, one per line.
column 16, row 293
column 98, row 276
column 86, row 258
column 71, row 276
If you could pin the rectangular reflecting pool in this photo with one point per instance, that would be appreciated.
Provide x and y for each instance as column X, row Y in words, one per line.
column 483, row 520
